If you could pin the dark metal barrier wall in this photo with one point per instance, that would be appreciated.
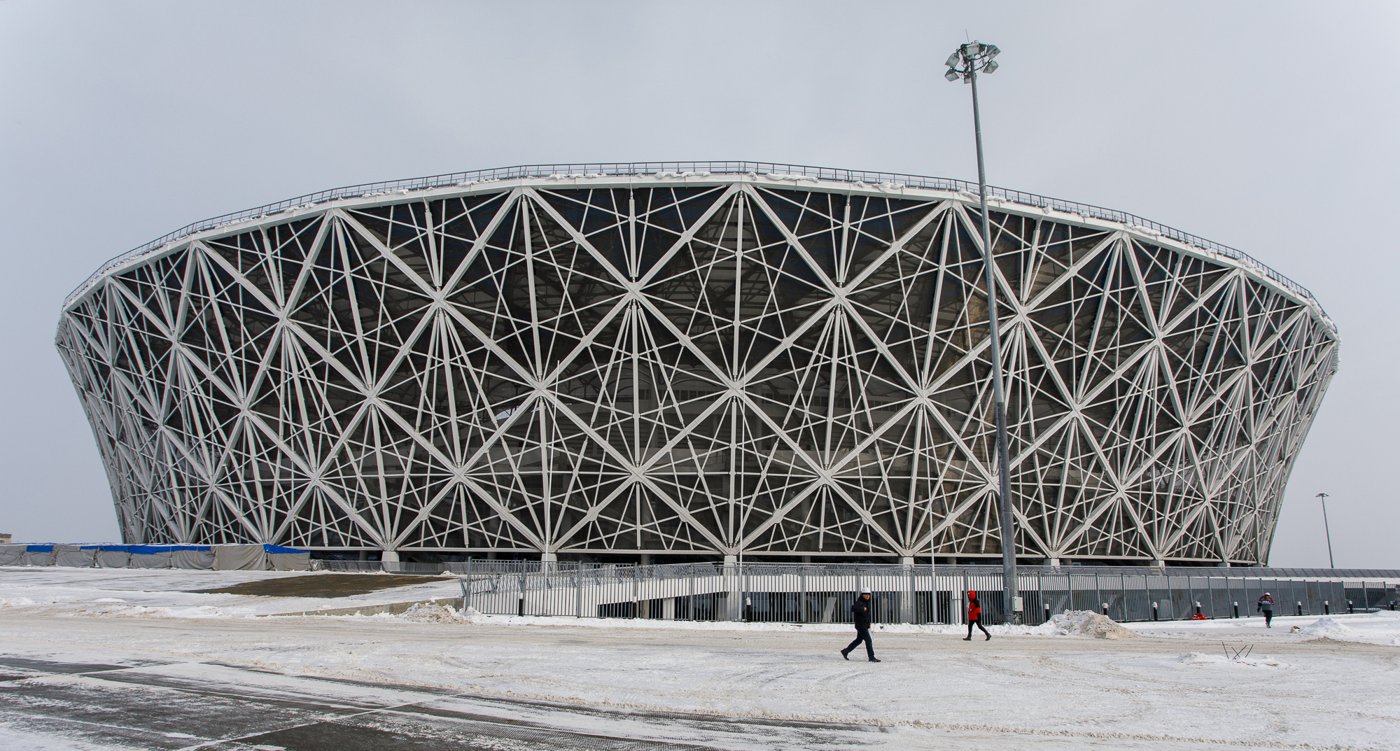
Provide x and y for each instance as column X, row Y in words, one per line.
column 801, row 593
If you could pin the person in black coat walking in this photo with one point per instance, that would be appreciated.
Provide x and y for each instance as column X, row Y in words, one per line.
column 860, row 613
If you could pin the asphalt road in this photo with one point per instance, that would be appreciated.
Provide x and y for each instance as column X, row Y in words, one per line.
column 179, row 706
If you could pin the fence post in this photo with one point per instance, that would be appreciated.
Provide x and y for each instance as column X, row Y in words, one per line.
column 744, row 582
column 1147, row 587
column 933, row 589
column 467, row 590
column 960, row 599
column 802, row 595
column 1098, row 593
column 578, row 592
column 1123, row 596
column 732, row 595
column 908, row 608
column 1040, row 593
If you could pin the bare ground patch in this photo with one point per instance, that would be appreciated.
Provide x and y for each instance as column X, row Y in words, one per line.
column 321, row 585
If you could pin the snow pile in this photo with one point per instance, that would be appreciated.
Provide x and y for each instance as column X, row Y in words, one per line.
column 1197, row 658
column 1326, row 628
column 432, row 612
column 114, row 608
column 1085, row 623
column 15, row 602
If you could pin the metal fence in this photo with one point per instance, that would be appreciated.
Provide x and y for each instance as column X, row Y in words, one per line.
column 801, row 593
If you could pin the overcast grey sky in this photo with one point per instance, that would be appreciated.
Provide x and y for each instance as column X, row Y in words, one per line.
column 1271, row 127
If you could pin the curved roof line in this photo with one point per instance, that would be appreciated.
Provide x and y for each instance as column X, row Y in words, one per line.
column 776, row 170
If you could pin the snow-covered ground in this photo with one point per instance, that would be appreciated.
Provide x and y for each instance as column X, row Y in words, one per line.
column 1307, row 683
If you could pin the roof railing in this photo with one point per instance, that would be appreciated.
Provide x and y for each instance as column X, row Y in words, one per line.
column 885, row 180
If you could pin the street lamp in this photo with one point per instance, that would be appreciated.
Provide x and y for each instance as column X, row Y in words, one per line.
column 1331, row 563
column 964, row 64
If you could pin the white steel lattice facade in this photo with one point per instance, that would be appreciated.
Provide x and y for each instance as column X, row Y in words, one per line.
column 701, row 364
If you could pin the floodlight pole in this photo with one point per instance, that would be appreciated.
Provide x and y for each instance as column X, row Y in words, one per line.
column 1331, row 563
column 964, row 64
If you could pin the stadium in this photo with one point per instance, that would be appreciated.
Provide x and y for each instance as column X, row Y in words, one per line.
column 694, row 361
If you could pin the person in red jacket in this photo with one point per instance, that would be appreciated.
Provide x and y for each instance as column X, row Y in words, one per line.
column 974, row 615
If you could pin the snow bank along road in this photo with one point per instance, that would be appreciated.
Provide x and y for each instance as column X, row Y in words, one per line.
column 93, row 659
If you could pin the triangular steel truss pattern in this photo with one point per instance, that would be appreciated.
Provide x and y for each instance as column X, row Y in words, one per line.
column 720, row 365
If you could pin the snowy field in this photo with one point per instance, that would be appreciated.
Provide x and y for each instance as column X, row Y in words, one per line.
column 107, row 659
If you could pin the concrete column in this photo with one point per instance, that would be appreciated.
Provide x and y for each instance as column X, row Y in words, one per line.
column 547, row 561
column 906, row 599
column 389, row 560
column 734, row 588
column 1052, row 562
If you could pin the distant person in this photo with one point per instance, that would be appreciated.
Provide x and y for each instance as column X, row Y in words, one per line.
column 974, row 616
column 1266, row 606
column 861, row 615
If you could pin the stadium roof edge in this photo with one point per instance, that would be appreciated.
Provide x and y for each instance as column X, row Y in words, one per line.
column 698, row 171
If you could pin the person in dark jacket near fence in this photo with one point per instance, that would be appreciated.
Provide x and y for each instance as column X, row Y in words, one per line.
column 974, row 615
column 1266, row 606
column 860, row 613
